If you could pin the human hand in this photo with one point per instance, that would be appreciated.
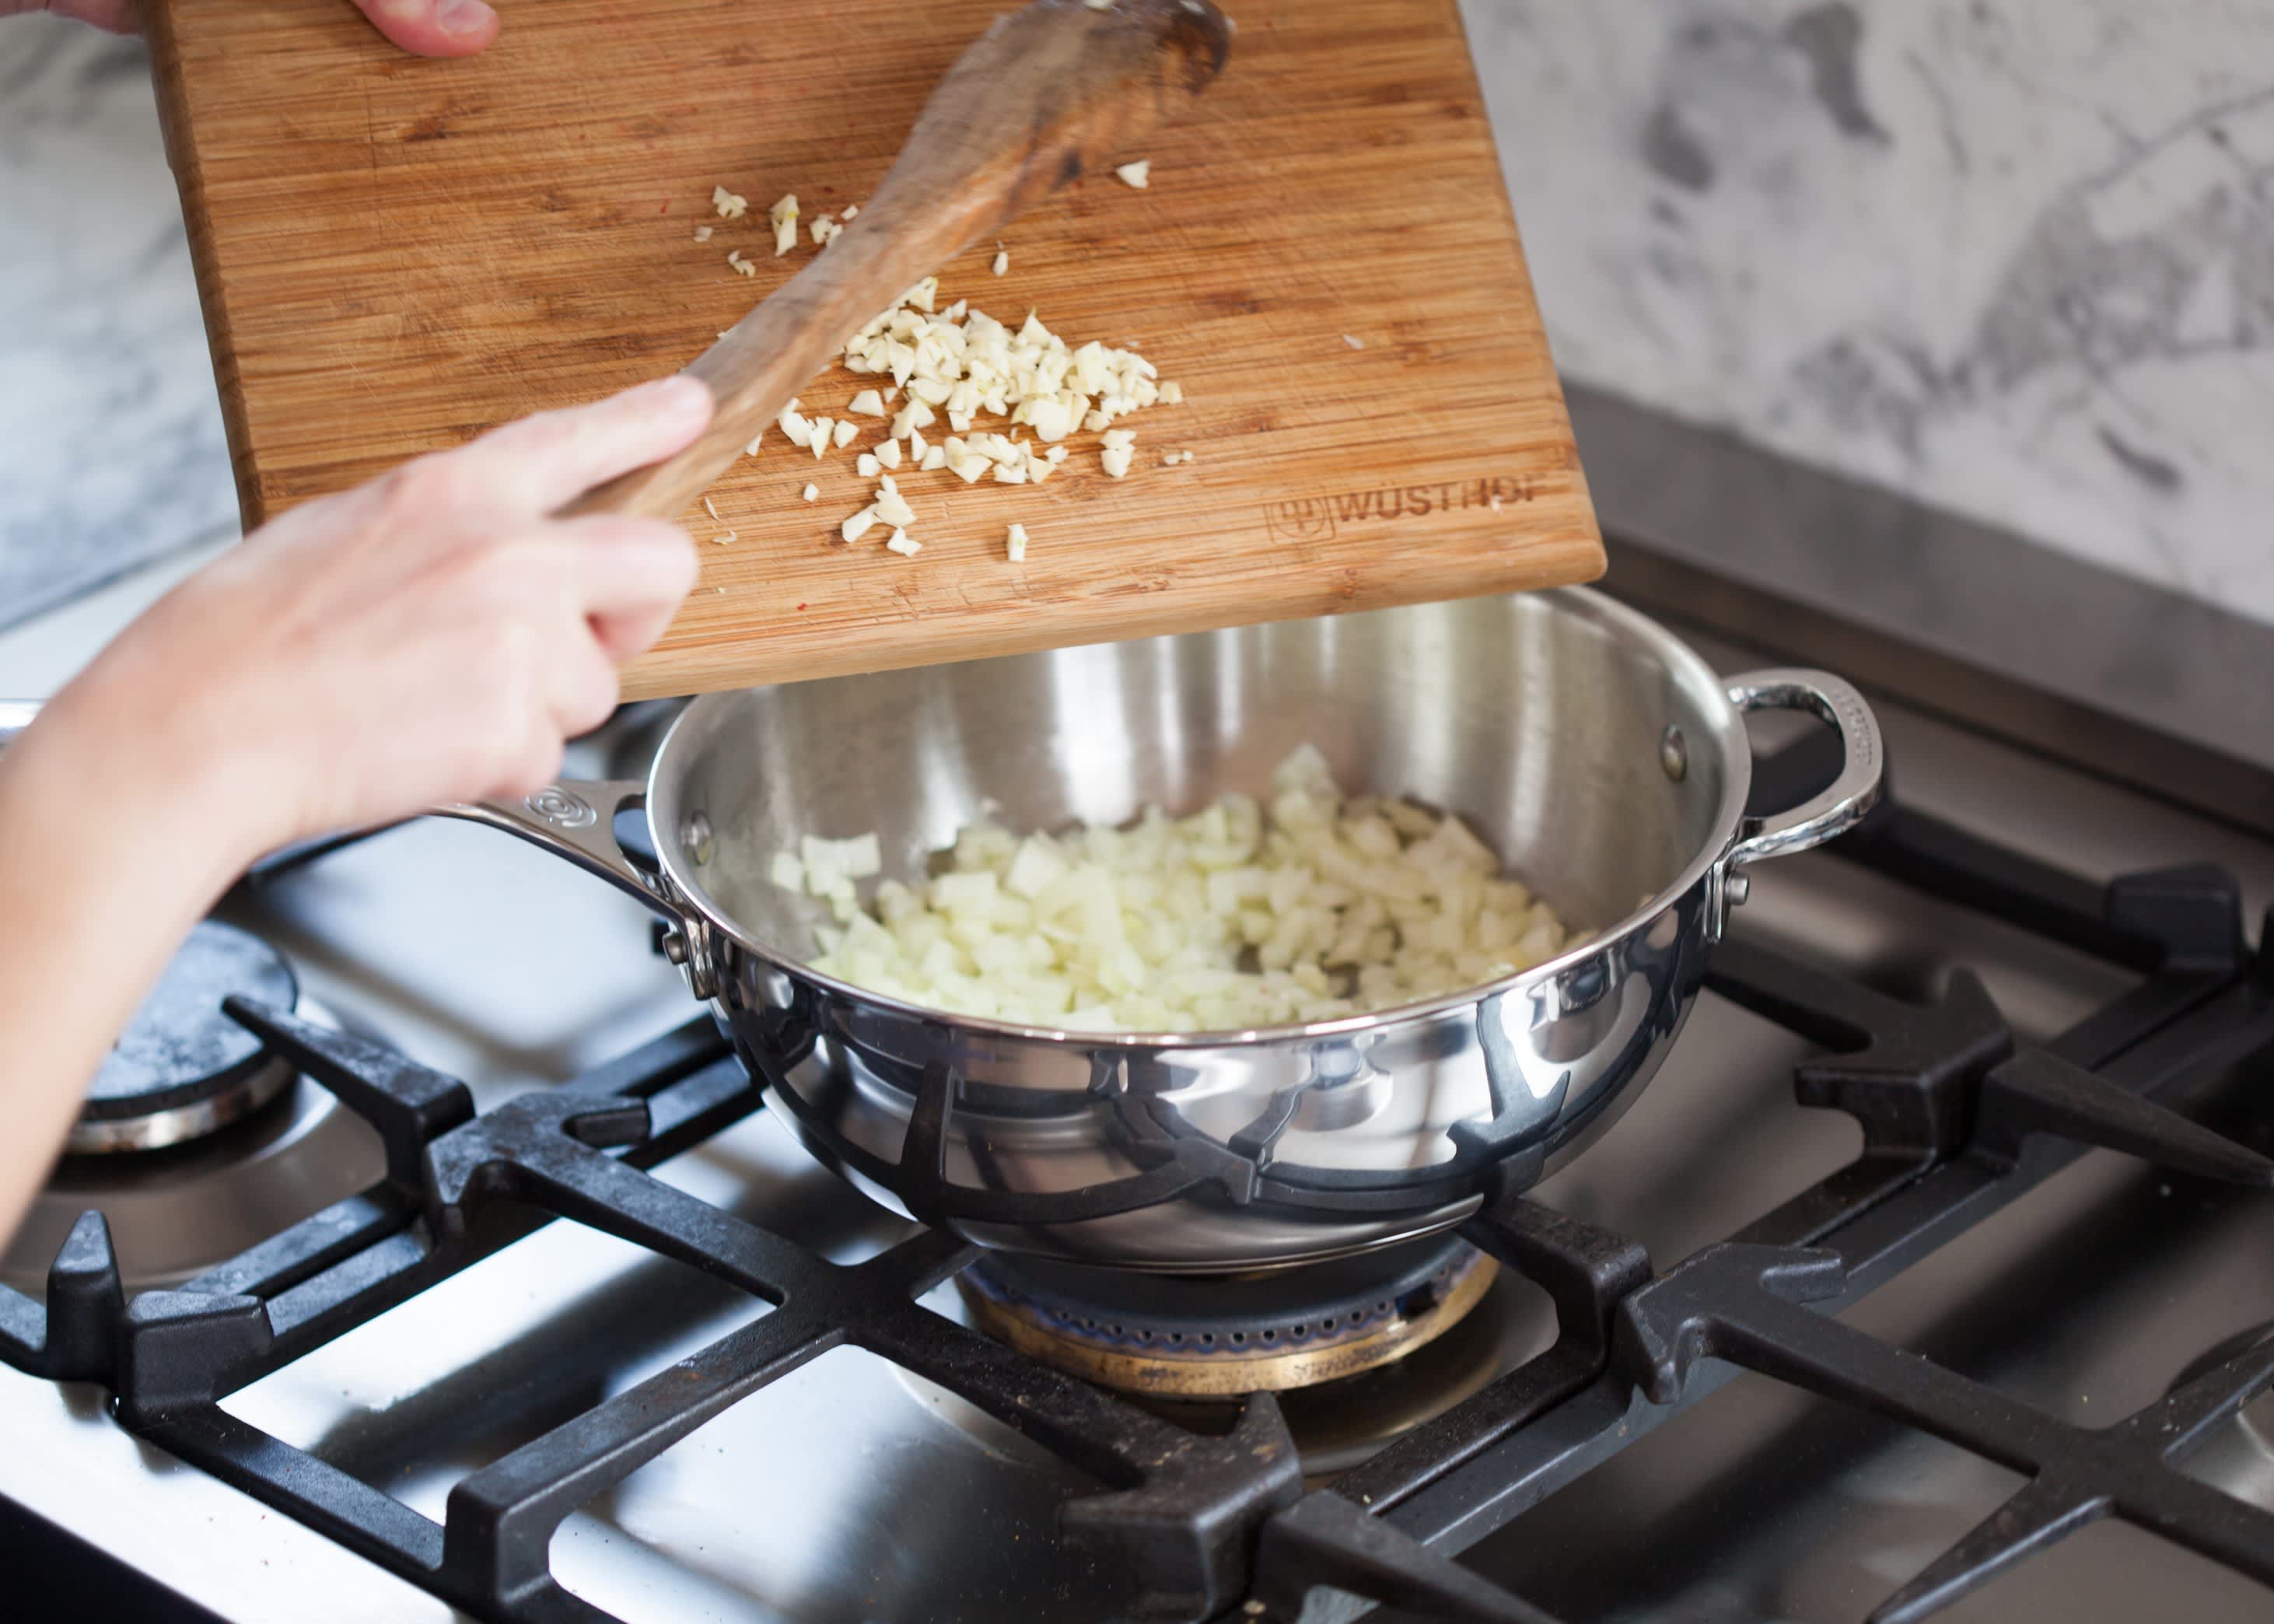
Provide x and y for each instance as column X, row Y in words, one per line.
column 433, row 27
column 422, row 27
column 431, row 636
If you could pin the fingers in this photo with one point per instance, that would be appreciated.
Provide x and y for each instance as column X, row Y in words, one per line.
column 632, row 576
column 541, row 462
column 584, row 692
column 433, row 27
column 566, row 603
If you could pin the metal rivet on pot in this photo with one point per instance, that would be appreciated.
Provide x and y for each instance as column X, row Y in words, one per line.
column 1737, row 887
column 1674, row 754
column 674, row 946
column 694, row 837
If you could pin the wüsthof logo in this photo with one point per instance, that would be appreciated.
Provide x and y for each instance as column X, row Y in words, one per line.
column 1318, row 518
column 1310, row 519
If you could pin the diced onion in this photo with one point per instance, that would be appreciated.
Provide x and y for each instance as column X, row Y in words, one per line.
column 1237, row 917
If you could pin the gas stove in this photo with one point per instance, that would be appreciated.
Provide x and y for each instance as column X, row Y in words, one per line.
column 446, row 1266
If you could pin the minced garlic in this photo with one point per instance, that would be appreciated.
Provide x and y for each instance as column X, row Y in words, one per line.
column 1118, row 445
column 729, row 206
column 956, row 364
column 1138, row 174
column 963, row 361
column 784, row 216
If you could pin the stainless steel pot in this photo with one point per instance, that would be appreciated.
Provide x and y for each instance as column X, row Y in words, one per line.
column 1607, row 764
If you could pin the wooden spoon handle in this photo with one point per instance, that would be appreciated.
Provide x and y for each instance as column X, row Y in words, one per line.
column 1045, row 94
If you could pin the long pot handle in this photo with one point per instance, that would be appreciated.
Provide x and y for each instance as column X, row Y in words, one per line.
column 573, row 818
column 1851, row 796
column 15, row 716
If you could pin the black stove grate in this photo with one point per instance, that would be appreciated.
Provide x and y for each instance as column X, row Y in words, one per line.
column 1959, row 1120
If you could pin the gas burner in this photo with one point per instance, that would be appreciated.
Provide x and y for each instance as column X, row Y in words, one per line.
column 182, row 1068
column 1223, row 1335
column 196, row 1142
column 175, row 1213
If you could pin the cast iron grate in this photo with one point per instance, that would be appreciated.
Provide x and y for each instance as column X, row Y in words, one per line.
column 1959, row 1120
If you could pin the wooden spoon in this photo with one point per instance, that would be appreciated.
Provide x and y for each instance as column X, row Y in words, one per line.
column 1048, row 94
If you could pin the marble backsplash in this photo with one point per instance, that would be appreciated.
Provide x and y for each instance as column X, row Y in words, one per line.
column 2014, row 258
column 111, row 453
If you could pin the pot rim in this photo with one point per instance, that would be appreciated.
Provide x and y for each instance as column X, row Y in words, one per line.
column 1682, row 662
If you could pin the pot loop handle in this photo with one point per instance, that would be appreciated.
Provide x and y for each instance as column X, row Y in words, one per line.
column 1851, row 796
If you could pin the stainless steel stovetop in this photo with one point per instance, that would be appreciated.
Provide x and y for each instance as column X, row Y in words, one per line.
column 850, row 1490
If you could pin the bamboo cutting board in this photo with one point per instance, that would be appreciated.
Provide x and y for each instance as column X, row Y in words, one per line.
column 395, row 255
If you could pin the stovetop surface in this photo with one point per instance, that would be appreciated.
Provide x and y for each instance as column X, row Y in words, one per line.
column 850, row 1488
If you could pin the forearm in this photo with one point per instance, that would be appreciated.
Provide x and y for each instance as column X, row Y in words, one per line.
column 433, row 636
column 109, row 855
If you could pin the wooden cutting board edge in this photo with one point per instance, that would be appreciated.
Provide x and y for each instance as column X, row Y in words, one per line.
column 181, row 156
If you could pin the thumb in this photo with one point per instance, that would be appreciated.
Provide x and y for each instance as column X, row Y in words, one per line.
column 433, row 27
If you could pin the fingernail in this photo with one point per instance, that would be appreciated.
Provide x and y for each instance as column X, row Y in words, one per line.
column 463, row 17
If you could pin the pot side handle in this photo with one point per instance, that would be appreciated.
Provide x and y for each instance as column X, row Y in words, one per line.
column 573, row 818
column 1851, row 796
